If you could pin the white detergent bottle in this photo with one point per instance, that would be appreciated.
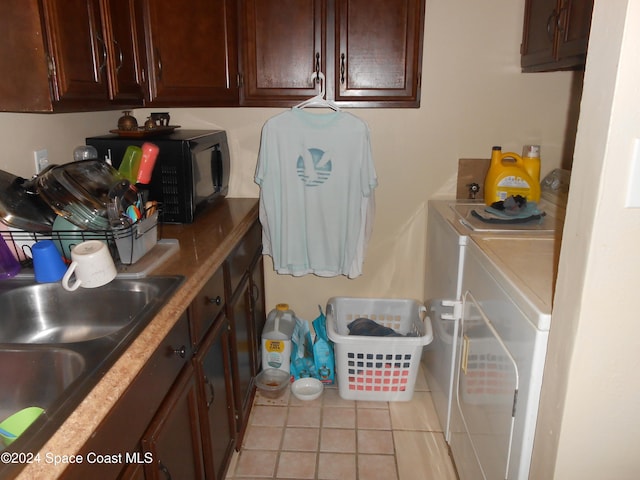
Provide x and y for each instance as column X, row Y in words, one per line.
column 276, row 338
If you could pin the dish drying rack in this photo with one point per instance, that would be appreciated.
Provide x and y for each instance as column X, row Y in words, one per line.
column 127, row 245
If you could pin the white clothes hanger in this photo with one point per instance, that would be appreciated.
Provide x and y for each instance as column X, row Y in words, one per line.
column 318, row 100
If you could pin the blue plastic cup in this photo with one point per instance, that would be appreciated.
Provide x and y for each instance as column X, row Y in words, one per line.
column 9, row 265
column 48, row 264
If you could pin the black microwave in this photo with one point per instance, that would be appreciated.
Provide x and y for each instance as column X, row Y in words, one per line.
column 191, row 171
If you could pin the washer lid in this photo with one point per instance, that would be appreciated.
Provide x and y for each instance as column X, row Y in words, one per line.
column 529, row 264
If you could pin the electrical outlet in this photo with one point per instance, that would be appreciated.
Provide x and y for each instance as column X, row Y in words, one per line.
column 41, row 158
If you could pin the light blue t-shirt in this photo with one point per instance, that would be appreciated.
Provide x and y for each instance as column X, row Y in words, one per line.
column 316, row 174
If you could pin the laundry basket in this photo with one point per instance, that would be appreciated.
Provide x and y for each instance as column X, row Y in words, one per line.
column 378, row 368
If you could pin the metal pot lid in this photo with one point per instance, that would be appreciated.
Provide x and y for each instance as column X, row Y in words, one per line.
column 21, row 208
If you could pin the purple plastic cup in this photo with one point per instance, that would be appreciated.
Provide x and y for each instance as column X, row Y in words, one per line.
column 9, row 265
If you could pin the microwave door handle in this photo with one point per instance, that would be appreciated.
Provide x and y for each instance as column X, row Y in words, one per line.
column 216, row 168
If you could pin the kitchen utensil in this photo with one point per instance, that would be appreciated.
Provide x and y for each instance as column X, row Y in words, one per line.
column 13, row 426
column 85, row 152
column 9, row 265
column 48, row 264
column 80, row 191
column 19, row 241
column 67, row 235
column 272, row 382
column 23, row 208
column 92, row 265
column 147, row 162
column 131, row 163
column 307, row 388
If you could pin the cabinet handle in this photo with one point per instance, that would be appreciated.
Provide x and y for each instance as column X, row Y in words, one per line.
column 213, row 301
column 560, row 19
column 181, row 351
column 255, row 293
column 120, row 55
column 158, row 65
column 551, row 21
column 165, row 470
column 342, row 69
column 318, row 67
column 103, row 65
column 211, row 391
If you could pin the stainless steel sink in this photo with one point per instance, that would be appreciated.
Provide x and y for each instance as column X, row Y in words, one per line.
column 55, row 345
column 36, row 377
column 47, row 313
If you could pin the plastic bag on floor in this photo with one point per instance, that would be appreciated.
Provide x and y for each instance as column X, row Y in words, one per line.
column 323, row 355
column 302, row 364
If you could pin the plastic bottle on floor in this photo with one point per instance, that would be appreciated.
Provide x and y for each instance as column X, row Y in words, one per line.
column 276, row 338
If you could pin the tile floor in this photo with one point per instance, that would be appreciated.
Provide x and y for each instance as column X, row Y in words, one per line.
column 332, row 438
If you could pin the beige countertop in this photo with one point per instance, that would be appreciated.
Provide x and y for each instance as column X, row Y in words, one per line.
column 204, row 245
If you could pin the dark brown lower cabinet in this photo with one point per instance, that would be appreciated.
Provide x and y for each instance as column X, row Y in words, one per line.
column 217, row 419
column 258, row 306
column 133, row 471
column 173, row 439
column 188, row 408
column 242, row 336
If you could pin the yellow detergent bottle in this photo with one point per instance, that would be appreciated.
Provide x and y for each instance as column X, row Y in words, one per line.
column 508, row 176
column 531, row 157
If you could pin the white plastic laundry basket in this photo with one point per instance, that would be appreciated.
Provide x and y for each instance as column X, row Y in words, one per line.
column 378, row 368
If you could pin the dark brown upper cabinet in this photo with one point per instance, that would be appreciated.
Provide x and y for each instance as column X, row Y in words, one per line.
column 69, row 55
column 122, row 35
column 555, row 34
column 283, row 43
column 191, row 52
column 378, row 52
column 370, row 51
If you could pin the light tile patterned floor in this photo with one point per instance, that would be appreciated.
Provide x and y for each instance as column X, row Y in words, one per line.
column 331, row 438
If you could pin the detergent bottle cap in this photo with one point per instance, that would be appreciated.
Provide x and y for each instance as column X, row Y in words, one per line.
column 531, row 151
column 283, row 307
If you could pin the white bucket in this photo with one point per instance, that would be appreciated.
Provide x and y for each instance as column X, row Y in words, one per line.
column 276, row 338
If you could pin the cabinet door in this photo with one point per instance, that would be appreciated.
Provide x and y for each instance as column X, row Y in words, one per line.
column 122, row 36
column 258, row 306
column 378, row 49
column 242, row 341
column 133, row 471
column 217, row 415
column 281, row 50
column 574, row 27
column 540, row 18
column 555, row 34
column 77, row 50
column 191, row 52
column 173, row 438
column 205, row 308
column 24, row 83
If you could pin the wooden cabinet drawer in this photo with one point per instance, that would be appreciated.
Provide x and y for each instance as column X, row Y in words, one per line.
column 206, row 306
column 138, row 405
column 239, row 262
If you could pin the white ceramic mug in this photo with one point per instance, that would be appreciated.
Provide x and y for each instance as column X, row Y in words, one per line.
column 92, row 264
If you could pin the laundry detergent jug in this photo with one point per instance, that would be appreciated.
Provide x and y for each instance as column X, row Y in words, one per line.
column 507, row 176
column 276, row 338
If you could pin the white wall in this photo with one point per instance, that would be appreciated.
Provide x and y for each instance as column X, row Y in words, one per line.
column 591, row 390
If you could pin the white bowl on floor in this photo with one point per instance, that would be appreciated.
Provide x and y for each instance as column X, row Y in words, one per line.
column 307, row 388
